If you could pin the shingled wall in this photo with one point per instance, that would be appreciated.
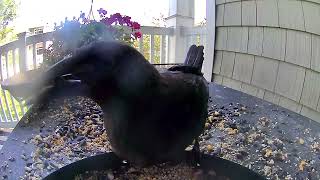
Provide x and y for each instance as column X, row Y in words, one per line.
column 270, row 49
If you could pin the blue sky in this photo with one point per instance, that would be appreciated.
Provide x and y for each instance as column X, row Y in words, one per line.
column 36, row 12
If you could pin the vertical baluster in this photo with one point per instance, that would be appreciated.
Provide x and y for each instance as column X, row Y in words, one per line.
column 3, row 113
column 22, row 52
column 163, row 49
column 2, row 109
column 14, row 61
column 152, row 48
column 188, row 43
column 202, row 40
column 12, row 99
column 15, row 72
column 2, row 119
column 141, row 45
column 194, row 39
column 43, row 51
column 4, row 95
column 168, row 49
column 2, row 116
column 34, row 56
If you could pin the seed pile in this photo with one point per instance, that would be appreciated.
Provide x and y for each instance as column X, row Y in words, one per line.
column 79, row 134
column 161, row 172
column 271, row 146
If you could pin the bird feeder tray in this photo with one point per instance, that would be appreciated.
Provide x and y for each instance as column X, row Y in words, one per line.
column 109, row 161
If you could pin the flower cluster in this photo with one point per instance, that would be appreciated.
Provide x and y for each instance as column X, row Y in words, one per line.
column 78, row 32
column 118, row 19
column 115, row 19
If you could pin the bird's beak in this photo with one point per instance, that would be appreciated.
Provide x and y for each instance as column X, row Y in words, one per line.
column 56, row 80
column 60, row 88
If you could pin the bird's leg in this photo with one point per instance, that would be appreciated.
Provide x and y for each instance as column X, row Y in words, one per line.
column 196, row 155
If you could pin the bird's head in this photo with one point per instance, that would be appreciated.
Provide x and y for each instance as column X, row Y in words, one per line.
column 89, row 72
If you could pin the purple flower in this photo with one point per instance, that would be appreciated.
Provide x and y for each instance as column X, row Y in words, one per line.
column 116, row 18
column 102, row 11
column 127, row 20
column 111, row 20
column 117, row 15
column 82, row 15
column 105, row 21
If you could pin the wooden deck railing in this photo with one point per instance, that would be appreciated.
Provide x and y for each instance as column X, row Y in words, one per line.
column 22, row 55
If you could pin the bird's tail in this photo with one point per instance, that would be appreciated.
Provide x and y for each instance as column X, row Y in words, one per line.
column 195, row 57
column 193, row 62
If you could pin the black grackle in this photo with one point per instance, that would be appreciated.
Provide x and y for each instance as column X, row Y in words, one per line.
column 150, row 116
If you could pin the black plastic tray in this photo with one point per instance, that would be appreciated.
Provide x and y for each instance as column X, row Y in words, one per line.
column 111, row 161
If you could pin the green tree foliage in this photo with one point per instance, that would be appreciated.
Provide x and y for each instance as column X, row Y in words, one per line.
column 158, row 21
column 8, row 11
column 146, row 47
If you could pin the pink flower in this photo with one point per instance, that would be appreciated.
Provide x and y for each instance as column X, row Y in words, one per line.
column 137, row 34
column 135, row 25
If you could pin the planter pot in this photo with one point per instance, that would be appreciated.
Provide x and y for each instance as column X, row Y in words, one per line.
column 109, row 161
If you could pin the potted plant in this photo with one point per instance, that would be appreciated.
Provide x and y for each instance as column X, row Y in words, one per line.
column 71, row 35
column 78, row 32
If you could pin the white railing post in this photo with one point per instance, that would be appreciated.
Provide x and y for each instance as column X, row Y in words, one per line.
column 181, row 14
column 210, row 39
column 22, row 51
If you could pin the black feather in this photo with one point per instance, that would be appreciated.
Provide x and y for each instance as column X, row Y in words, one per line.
column 149, row 116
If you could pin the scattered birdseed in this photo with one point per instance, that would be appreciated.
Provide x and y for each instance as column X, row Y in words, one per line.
column 80, row 134
column 209, row 148
column 302, row 164
column 301, row 141
column 267, row 144
column 267, row 141
column 160, row 172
